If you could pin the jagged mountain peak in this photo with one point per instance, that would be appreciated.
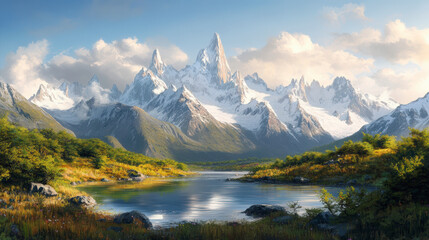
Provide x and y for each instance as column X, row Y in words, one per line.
column 257, row 82
column 115, row 93
column 94, row 79
column 342, row 83
column 51, row 97
column 397, row 123
column 214, row 60
column 157, row 65
column 143, row 89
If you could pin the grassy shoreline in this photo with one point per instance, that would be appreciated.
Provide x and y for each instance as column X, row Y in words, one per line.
column 39, row 217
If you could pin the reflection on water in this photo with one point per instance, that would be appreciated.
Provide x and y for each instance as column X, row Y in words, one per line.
column 203, row 197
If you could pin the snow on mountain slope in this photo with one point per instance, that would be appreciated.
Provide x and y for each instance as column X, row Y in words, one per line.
column 51, row 98
column 211, row 100
column 398, row 122
column 305, row 109
column 22, row 112
column 145, row 87
column 70, row 94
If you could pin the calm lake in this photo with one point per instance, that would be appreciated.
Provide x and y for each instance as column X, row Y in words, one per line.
column 206, row 196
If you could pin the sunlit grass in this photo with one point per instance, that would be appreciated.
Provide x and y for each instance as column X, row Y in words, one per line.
column 39, row 217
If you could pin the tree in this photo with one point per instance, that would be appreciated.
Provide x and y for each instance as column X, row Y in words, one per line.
column 99, row 161
column 380, row 141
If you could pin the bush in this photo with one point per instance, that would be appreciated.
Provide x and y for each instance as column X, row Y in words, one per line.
column 380, row 141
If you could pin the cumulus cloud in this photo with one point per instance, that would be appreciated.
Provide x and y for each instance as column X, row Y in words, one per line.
column 404, row 86
column 293, row 55
column 22, row 68
column 116, row 62
column 347, row 12
column 398, row 43
column 404, row 52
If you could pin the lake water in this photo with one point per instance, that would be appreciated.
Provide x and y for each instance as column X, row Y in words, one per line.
column 206, row 196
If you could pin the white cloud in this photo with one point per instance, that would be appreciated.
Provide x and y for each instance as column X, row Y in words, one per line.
column 344, row 13
column 398, row 43
column 116, row 62
column 404, row 52
column 22, row 68
column 404, row 86
column 293, row 55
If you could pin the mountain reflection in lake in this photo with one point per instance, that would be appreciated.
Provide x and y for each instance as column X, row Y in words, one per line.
column 203, row 197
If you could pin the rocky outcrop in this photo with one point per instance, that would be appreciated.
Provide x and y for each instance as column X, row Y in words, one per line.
column 83, row 201
column 45, row 190
column 263, row 210
column 133, row 217
column 301, row 180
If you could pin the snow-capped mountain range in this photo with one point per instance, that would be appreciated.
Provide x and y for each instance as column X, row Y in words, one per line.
column 207, row 98
column 398, row 122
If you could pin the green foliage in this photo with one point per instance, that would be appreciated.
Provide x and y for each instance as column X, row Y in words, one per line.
column 417, row 144
column 328, row 201
column 361, row 149
column 99, row 161
column 35, row 156
column 380, row 141
column 294, row 207
column 407, row 166
column 235, row 165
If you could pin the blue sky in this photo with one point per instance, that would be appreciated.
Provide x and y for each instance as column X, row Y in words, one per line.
column 189, row 25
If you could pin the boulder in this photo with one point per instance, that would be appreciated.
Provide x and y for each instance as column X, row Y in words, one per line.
column 83, row 201
column 133, row 173
column 43, row 189
column 132, row 217
column 73, row 183
column 301, row 180
column 283, row 219
column 137, row 179
column 105, row 180
column 321, row 218
column 263, row 210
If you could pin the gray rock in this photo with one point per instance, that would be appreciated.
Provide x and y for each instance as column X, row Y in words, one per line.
column 133, row 173
column 301, row 180
column 137, row 179
column 331, row 162
column 263, row 210
column 43, row 189
column 105, row 180
column 325, row 227
column 340, row 230
column 83, row 201
column 283, row 219
column 73, row 183
column 132, row 217
column 115, row 228
column 321, row 218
